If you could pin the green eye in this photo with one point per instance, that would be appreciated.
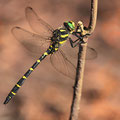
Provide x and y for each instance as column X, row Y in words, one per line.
column 71, row 25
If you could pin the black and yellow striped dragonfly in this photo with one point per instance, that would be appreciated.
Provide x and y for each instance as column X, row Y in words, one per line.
column 49, row 39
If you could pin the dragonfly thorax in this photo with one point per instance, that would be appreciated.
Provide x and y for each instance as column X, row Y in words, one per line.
column 60, row 35
column 55, row 36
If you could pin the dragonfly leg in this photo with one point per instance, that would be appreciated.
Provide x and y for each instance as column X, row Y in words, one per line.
column 78, row 35
column 78, row 41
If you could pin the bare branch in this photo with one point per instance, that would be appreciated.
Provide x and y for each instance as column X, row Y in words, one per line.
column 93, row 16
column 81, row 62
column 78, row 82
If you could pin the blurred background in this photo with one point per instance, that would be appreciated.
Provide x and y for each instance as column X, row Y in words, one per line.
column 47, row 95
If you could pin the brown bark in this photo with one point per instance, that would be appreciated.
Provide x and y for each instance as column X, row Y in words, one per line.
column 81, row 63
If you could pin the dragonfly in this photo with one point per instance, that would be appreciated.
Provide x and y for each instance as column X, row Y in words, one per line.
column 49, row 41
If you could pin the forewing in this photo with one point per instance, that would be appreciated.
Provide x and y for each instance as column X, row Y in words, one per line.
column 33, row 42
column 91, row 53
column 61, row 63
column 37, row 24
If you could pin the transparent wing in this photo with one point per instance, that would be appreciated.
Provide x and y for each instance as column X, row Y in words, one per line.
column 37, row 24
column 62, row 64
column 72, row 53
column 91, row 53
column 33, row 42
column 65, row 60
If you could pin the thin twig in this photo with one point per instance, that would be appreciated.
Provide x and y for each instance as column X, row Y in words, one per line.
column 93, row 16
column 81, row 62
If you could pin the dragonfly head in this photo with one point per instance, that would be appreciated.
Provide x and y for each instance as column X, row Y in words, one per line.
column 70, row 25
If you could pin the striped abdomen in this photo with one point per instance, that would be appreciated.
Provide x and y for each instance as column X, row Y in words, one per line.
column 54, row 47
column 25, row 76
